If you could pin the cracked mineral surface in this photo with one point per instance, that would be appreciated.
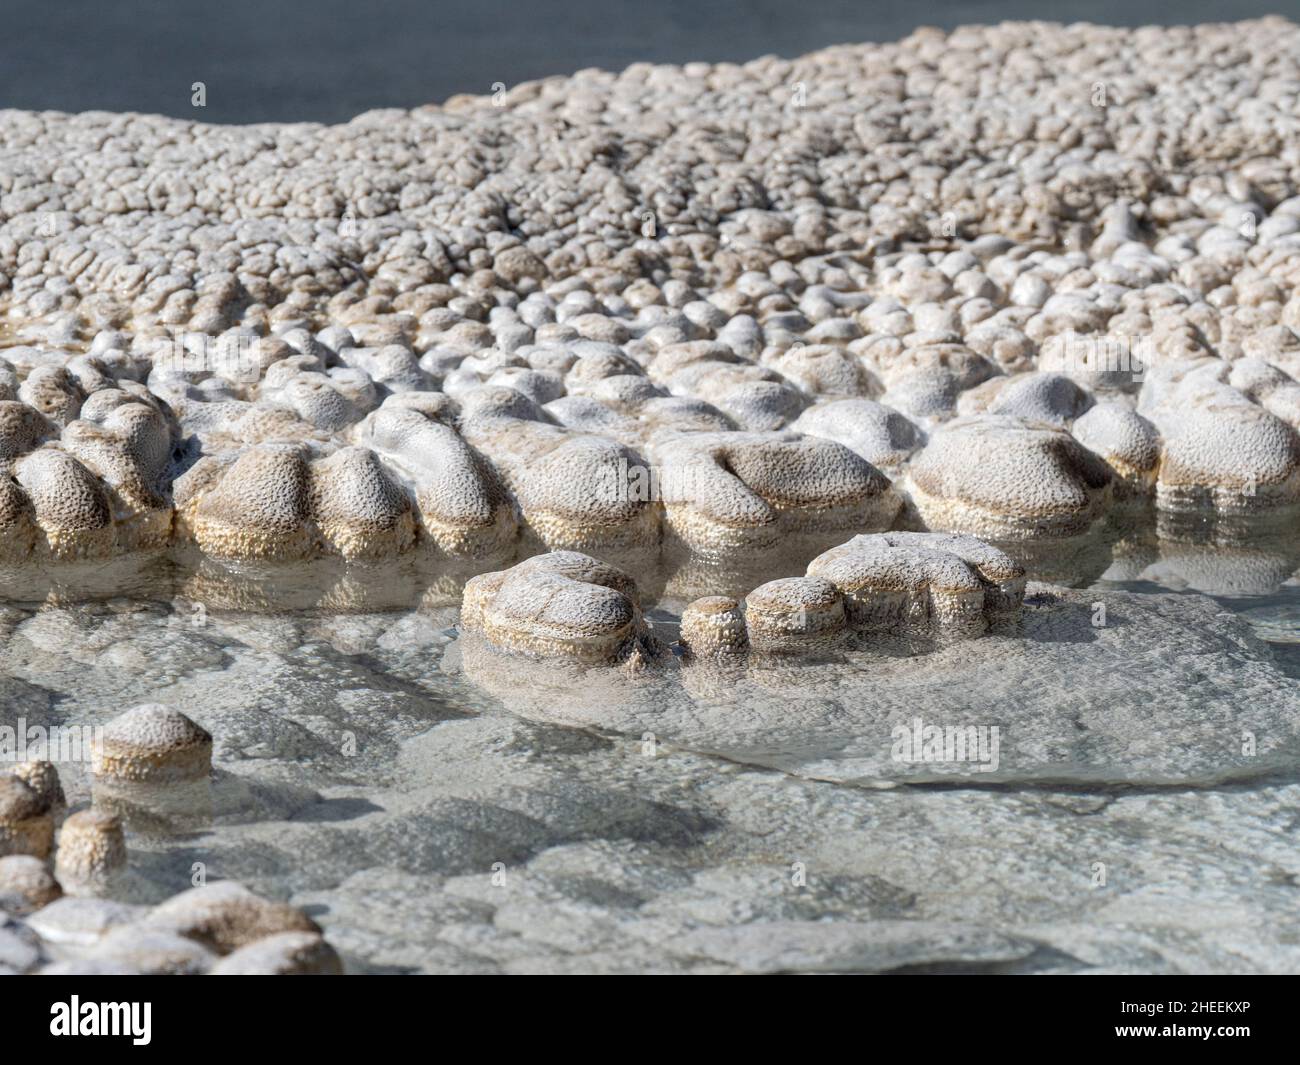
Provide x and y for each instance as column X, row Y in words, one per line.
column 870, row 480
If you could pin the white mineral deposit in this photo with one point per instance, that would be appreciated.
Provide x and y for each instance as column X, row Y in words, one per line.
column 637, row 484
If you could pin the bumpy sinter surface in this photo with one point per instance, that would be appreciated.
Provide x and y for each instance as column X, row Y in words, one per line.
column 729, row 341
column 1023, row 273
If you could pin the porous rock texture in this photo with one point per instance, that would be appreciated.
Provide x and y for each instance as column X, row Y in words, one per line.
column 1008, row 478
column 923, row 583
column 562, row 605
column 151, row 743
column 26, row 822
column 896, row 584
column 216, row 928
column 26, row 884
column 92, row 852
column 457, row 328
column 43, row 778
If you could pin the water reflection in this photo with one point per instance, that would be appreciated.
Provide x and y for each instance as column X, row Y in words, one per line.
column 1237, row 557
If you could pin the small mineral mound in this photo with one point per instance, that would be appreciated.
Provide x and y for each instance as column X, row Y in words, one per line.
column 152, row 743
column 896, row 584
column 91, row 854
column 562, row 605
column 26, row 823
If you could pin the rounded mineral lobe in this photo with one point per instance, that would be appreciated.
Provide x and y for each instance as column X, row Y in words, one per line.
column 27, row 883
column 1042, row 397
column 714, row 626
column 258, row 507
column 923, row 583
column 563, row 604
column 1128, row 442
column 283, row 954
column 884, row 437
column 225, row 916
column 151, row 952
column 71, row 508
column 728, row 491
column 22, row 428
column 793, row 612
column 152, row 744
column 43, row 778
column 92, row 852
column 358, row 507
column 1007, row 478
column 26, row 824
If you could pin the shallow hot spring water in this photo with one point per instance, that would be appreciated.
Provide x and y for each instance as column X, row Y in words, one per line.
column 1128, row 799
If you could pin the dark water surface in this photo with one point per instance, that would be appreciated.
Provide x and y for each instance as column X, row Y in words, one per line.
column 328, row 60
